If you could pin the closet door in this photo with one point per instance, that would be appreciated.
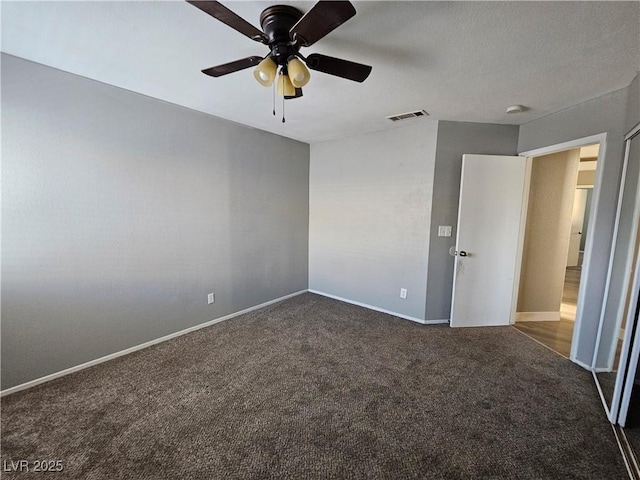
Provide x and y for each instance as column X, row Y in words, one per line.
column 629, row 415
column 630, row 401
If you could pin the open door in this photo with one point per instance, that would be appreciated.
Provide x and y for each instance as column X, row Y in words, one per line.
column 488, row 242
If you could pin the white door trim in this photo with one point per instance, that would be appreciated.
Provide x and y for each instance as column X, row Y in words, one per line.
column 560, row 147
column 520, row 248
column 600, row 138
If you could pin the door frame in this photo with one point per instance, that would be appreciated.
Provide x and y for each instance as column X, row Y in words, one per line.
column 600, row 138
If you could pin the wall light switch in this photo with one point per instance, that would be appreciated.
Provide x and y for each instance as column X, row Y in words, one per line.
column 403, row 293
column 444, row 231
column 211, row 298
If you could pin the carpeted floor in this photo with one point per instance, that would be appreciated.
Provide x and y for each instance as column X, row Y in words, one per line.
column 315, row 388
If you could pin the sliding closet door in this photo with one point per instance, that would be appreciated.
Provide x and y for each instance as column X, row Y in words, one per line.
column 630, row 307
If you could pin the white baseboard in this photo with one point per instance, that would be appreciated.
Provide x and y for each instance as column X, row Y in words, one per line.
column 377, row 309
column 111, row 356
column 537, row 316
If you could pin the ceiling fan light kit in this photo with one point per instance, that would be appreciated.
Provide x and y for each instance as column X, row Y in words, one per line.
column 285, row 87
column 298, row 73
column 265, row 72
column 285, row 30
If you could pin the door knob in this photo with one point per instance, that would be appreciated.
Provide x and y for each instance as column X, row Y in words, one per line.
column 462, row 253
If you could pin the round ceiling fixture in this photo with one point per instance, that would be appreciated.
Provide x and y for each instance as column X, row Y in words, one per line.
column 516, row 109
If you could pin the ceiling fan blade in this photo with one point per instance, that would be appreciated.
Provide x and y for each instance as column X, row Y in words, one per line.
column 226, row 16
column 338, row 67
column 231, row 67
column 323, row 17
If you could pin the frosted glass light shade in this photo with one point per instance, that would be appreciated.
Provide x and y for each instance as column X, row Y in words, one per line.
column 265, row 72
column 298, row 72
column 285, row 87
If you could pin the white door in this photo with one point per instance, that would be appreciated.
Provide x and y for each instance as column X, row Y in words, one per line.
column 488, row 243
column 577, row 222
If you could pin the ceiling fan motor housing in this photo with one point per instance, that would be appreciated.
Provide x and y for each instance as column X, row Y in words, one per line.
column 276, row 22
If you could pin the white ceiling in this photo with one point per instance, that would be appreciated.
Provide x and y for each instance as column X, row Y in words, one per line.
column 463, row 61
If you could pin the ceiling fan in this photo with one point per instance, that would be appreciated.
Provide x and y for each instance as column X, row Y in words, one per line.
column 285, row 30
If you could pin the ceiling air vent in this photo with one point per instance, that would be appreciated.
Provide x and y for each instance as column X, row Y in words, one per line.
column 405, row 116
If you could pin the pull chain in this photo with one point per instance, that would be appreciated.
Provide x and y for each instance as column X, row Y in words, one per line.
column 274, row 98
column 282, row 77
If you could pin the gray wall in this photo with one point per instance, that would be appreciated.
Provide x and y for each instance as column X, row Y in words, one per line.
column 548, row 229
column 120, row 213
column 454, row 140
column 605, row 114
column 369, row 206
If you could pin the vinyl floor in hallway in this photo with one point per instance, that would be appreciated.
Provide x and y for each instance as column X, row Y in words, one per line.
column 557, row 335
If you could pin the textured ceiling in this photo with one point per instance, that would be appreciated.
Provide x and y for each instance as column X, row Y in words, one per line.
column 464, row 61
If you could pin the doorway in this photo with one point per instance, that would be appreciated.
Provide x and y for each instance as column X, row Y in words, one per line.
column 555, row 240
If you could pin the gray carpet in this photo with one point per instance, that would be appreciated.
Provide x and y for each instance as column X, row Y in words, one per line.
column 315, row 388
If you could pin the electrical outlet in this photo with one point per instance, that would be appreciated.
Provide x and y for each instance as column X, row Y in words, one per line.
column 211, row 298
column 403, row 293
